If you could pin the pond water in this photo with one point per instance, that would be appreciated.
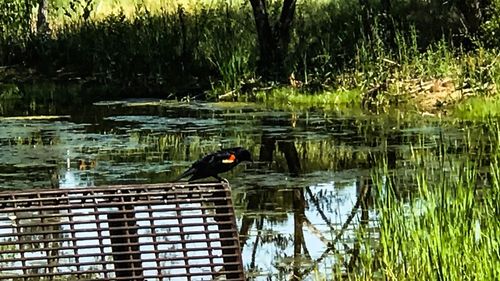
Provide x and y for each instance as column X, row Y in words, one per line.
column 297, row 208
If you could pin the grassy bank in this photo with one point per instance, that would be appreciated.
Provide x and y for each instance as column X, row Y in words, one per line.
column 291, row 98
column 206, row 49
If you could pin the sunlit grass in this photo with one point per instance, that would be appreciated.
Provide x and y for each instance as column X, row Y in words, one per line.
column 478, row 108
column 104, row 8
column 293, row 99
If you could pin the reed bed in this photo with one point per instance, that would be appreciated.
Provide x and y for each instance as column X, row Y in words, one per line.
column 441, row 222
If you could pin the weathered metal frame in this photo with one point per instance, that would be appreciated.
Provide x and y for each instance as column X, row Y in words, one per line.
column 167, row 231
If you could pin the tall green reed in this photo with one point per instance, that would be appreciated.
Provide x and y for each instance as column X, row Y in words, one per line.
column 447, row 230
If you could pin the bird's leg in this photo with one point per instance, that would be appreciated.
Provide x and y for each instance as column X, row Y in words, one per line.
column 221, row 179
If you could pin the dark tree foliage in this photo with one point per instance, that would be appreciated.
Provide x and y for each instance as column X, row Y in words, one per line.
column 274, row 34
column 473, row 14
column 462, row 18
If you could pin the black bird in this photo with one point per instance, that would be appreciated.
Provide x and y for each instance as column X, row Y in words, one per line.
column 214, row 164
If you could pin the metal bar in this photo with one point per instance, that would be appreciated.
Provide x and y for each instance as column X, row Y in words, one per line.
column 183, row 239
column 122, row 262
column 154, row 236
column 54, row 216
column 191, row 257
column 125, row 251
column 18, row 230
column 106, row 237
column 166, row 276
column 123, row 232
column 231, row 263
column 209, row 244
column 101, row 204
column 100, row 238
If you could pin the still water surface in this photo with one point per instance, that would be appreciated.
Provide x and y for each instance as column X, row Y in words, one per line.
column 291, row 203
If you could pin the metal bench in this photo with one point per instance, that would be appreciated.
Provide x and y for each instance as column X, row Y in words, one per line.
column 120, row 232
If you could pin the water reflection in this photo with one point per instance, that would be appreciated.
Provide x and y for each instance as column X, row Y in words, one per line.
column 302, row 208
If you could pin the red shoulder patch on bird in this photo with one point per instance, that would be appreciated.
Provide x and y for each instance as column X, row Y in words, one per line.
column 230, row 159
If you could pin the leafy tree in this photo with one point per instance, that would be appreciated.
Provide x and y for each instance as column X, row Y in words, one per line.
column 474, row 13
column 14, row 26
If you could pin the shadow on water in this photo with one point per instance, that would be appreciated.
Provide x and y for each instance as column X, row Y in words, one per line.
column 302, row 208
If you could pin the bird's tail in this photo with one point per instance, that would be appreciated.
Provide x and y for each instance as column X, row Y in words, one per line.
column 185, row 174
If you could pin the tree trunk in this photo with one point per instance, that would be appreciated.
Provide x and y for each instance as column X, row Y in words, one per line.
column 283, row 29
column 273, row 42
column 291, row 156
column 267, row 43
column 42, row 25
column 299, row 207
column 366, row 17
column 267, row 147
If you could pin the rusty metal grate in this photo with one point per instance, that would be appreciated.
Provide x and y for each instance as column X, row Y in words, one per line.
column 131, row 232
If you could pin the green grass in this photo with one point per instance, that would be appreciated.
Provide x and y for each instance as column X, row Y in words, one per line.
column 289, row 98
column 447, row 227
column 478, row 108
